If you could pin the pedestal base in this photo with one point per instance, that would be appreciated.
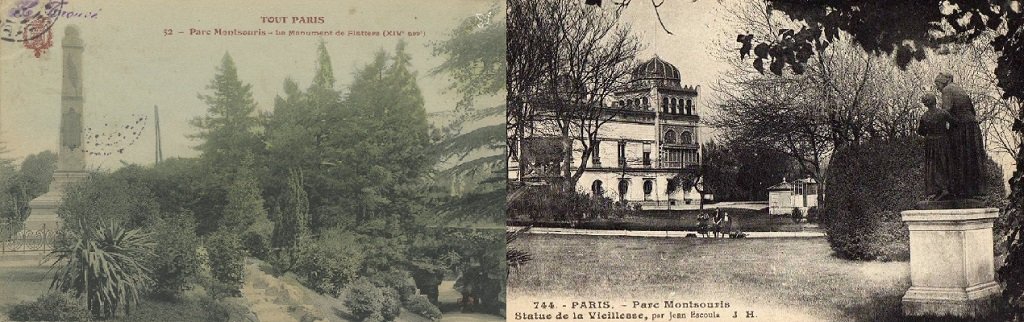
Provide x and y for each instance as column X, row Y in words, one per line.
column 952, row 270
column 43, row 209
column 974, row 302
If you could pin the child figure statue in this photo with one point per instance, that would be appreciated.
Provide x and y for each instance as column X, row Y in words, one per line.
column 935, row 126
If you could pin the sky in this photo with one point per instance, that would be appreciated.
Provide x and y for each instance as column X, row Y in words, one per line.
column 699, row 30
column 129, row 65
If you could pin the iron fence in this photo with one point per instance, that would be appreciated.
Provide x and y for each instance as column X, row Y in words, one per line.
column 14, row 238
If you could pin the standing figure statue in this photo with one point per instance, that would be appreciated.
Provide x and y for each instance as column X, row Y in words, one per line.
column 967, row 152
column 935, row 126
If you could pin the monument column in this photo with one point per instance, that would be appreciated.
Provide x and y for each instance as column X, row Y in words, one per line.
column 70, row 156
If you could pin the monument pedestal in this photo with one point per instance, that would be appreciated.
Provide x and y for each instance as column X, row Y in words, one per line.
column 43, row 214
column 951, row 262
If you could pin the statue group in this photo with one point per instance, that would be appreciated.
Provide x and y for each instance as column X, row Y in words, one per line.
column 954, row 152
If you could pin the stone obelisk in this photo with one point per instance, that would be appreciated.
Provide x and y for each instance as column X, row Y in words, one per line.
column 71, row 156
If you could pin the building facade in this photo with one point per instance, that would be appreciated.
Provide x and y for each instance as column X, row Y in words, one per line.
column 785, row 196
column 642, row 155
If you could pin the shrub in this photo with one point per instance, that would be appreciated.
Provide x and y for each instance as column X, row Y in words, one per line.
column 544, row 203
column 365, row 301
column 796, row 215
column 391, row 305
column 329, row 264
column 397, row 280
column 862, row 208
column 812, row 214
column 256, row 240
column 421, row 305
column 54, row 306
column 176, row 261
column 227, row 263
column 105, row 265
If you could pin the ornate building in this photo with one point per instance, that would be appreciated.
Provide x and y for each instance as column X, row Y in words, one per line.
column 643, row 155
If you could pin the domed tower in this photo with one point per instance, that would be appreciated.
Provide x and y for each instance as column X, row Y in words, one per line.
column 656, row 87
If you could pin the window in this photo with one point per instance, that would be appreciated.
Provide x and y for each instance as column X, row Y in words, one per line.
column 670, row 137
column 623, row 189
column 646, row 102
column 595, row 154
column 686, row 138
column 597, row 188
column 622, row 153
column 648, row 188
column 675, row 104
column 647, row 154
column 664, row 104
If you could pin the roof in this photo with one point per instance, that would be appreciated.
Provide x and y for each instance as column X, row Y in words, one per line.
column 656, row 68
column 781, row 186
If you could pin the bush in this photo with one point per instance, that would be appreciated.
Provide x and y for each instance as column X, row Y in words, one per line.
column 421, row 305
column 796, row 215
column 365, row 301
column 256, row 240
column 812, row 214
column 50, row 307
column 330, row 263
column 547, row 203
column 176, row 261
column 862, row 208
column 227, row 263
column 397, row 280
column 391, row 306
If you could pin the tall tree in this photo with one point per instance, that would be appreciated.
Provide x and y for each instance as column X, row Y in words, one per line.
column 588, row 57
column 245, row 200
column 291, row 228
column 228, row 132
column 386, row 139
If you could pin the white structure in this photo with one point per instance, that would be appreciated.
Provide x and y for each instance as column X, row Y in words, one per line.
column 785, row 196
column 951, row 262
column 652, row 139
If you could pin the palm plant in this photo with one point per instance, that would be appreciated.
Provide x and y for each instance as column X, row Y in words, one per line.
column 105, row 264
column 516, row 258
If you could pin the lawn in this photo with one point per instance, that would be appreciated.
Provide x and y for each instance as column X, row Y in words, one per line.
column 782, row 279
column 19, row 284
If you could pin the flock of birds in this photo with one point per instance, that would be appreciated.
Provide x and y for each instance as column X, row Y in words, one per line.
column 114, row 138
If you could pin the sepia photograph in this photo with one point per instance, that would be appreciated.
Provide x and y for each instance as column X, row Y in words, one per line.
column 734, row 160
column 265, row 161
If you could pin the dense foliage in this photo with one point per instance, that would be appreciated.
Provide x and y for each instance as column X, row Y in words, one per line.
column 53, row 306
column 175, row 261
column 330, row 263
column 365, row 301
column 419, row 304
column 861, row 214
column 227, row 263
column 542, row 203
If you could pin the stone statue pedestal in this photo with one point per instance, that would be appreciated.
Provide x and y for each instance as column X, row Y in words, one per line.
column 43, row 214
column 951, row 262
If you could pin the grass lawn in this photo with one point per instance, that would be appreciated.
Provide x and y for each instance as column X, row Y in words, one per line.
column 19, row 284
column 782, row 279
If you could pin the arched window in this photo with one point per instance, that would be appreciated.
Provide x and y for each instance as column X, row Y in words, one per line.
column 664, row 104
column 597, row 188
column 686, row 138
column 675, row 105
column 623, row 188
column 670, row 137
column 646, row 102
column 648, row 188
column 689, row 107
